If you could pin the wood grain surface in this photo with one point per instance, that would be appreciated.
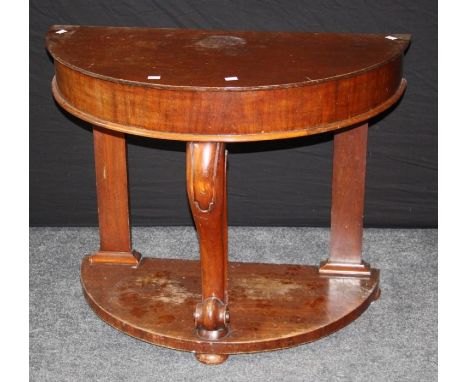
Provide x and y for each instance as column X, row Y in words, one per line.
column 206, row 190
column 110, row 157
column 288, row 84
column 207, row 88
column 347, row 212
column 272, row 306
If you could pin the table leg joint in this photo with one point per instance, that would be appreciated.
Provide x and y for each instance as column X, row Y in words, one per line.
column 212, row 319
column 132, row 258
column 328, row 267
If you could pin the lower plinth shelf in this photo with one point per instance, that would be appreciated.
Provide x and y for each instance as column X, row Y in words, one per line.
column 271, row 306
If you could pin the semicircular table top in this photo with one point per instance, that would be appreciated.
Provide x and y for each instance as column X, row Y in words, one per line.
column 207, row 85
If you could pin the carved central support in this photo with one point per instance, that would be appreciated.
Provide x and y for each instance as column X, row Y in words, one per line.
column 206, row 189
column 211, row 318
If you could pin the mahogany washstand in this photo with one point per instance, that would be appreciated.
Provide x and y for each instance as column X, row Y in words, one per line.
column 209, row 88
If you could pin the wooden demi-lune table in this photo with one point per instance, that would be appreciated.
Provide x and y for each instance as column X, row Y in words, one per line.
column 208, row 88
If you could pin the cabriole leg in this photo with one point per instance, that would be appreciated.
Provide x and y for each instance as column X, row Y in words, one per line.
column 206, row 189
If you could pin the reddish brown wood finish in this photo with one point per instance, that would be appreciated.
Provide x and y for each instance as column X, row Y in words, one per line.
column 347, row 212
column 211, row 359
column 285, row 87
column 201, row 59
column 288, row 85
column 206, row 189
column 209, row 137
column 110, row 158
column 272, row 306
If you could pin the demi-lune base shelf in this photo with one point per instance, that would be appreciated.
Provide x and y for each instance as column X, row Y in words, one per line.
column 271, row 306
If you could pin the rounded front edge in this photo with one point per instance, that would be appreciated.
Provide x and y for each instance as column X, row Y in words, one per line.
column 174, row 127
column 272, row 306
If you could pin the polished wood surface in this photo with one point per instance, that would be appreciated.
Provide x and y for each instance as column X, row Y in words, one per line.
column 208, row 88
column 288, row 84
column 347, row 212
column 206, row 190
column 110, row 157
column 201, row 59
column 272, row 306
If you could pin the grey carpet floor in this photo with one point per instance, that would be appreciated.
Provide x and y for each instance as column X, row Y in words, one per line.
column 394, row 340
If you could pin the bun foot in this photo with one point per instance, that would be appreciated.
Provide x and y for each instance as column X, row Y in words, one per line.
column 211, row 359
column 377, row 295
